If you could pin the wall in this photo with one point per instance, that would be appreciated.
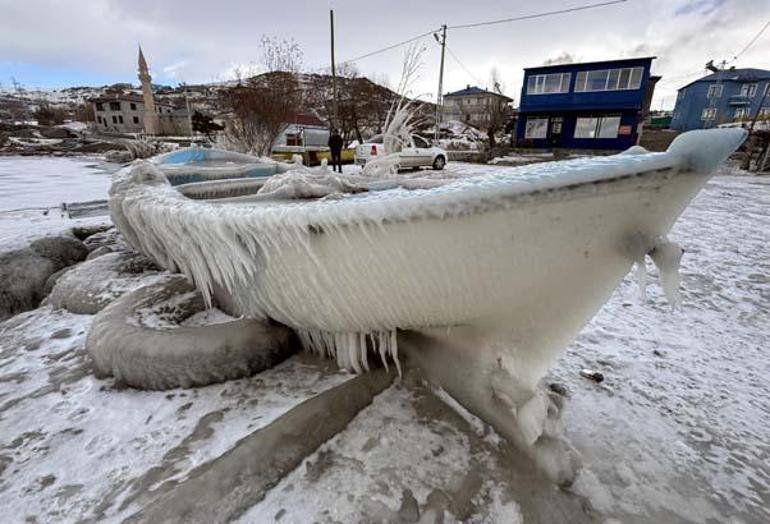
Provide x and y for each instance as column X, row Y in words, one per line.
column 693, row 99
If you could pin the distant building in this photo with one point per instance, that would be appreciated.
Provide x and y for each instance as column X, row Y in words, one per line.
column 124, row 113
column 471, row 105
column 304, row 130
column 130, row 112
column 725, row 96
column 592, row 105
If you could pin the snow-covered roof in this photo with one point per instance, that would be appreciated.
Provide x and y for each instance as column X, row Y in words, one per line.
column 746, row 74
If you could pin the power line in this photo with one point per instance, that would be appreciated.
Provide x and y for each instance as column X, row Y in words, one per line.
column 454, row 56
column 388, row 48
column 753, row 40
column 490, row 22
column 537, row 15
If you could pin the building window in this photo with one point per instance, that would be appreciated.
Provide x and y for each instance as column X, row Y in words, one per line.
column 741, row 113
column 609, row 79
column 99, row 106
column 133, row 106
column 136, row 120
column 114, row 119
column 749, row 90
column 536, row 128
column 715, row 91
column 548, row 84
column 710, row 113
column 764, row 112
column 98, row 120
column 114, row 106
column 120, row 118
column 597, row 127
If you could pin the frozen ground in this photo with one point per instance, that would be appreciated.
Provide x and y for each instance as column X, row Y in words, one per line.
column 677, row 432
column 33, row 188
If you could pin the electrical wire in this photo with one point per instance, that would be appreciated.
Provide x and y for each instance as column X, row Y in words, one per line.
column 537, row 15
column 454, row 56
column 751, row 43
column 393, row 46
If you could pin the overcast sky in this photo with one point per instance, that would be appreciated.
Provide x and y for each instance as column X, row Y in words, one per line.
column 54, row 43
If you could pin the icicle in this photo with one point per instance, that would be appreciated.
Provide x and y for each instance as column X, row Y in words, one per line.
column 364, row 349
column 667, row 255
column 641, row 278
column 383, row 346
column 394, row 350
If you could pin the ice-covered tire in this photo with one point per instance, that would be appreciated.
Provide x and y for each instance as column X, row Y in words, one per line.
column 90, row 286
column 138, row 340
column 439, row 162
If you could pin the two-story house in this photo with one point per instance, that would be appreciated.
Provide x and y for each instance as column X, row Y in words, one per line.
column 473, row 106
column 592, row 105
column 731, row 95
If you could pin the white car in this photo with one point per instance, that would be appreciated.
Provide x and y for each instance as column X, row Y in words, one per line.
column 422, row 155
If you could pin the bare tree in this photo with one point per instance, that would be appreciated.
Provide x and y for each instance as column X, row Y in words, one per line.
column 498, row 109
column 262, row 105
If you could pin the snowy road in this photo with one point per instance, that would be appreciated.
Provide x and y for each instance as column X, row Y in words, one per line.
column 677, row 432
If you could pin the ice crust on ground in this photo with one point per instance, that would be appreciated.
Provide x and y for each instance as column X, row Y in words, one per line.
column 677, row 432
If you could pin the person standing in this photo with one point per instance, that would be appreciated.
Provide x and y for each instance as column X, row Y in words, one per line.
column 335, row 147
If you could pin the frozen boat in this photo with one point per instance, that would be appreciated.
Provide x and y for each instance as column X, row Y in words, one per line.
column 519, row 258
column 534, row 250
column 196, row 164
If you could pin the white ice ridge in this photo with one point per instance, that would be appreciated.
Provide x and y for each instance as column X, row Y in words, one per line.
column 527, row 254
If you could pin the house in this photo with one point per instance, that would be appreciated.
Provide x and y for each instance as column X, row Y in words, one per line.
column 472, row 105
column 304, row 130
column 123, row 113
column 592, row 105
column 724, row 96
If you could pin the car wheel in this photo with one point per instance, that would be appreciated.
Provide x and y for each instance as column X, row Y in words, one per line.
column 439, row 163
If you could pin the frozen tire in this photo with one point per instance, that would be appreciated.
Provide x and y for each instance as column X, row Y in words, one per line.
column 90, row 286
column 138, row 340
column 439, row 162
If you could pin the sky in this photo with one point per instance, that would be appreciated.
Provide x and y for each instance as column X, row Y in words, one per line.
column 60, row 43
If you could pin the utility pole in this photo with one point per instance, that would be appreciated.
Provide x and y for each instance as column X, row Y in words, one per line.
column 334, row 72
column 440, row 95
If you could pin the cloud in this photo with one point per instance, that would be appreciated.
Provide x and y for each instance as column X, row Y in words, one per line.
column 173, row 70
column 703, row 7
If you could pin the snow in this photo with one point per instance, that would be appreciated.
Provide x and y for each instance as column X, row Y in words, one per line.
column 677, row 431
column 75, row 447
column 33, row 188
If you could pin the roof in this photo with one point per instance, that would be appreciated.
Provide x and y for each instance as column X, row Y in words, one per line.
column 306, row 120
column 474, row 90
column 746, row 74
column 598, row 62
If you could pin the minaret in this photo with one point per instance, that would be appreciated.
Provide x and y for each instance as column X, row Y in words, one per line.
column 151, row 119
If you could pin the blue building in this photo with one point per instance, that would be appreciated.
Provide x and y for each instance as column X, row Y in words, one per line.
column 593, row 105
column 726, row 96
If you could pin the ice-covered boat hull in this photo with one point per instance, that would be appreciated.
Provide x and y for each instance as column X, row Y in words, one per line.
column 528, row 256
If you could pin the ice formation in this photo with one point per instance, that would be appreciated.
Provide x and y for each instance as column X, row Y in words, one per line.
column 522, row 257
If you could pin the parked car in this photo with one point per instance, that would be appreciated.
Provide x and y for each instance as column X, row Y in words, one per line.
column 422, row 155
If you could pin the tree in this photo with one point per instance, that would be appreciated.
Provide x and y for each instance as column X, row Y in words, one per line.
column 262, row 105
column 47, row 115
column 498, row 109
column 85, row 112
column 205, row 124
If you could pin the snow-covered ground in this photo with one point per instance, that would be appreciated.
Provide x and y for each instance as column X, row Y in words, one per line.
column 677, row 432
column 32, row 190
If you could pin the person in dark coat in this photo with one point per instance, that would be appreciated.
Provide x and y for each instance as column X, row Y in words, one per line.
column 335, row 146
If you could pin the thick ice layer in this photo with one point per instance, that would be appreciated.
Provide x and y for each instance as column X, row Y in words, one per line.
column 527, row 255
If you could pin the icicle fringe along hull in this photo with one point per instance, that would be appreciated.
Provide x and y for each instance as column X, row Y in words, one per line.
column 526, row 255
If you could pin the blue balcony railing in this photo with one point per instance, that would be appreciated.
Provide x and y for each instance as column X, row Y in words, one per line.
column 739, row 100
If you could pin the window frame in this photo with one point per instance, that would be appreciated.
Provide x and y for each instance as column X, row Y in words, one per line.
column 598, row 127
column 715, row 87
column 582, row 84
column 533, row 119
column 540, row 81
column 114, row 106
column 740, row 112
column 704, row 115
column 747, row 91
